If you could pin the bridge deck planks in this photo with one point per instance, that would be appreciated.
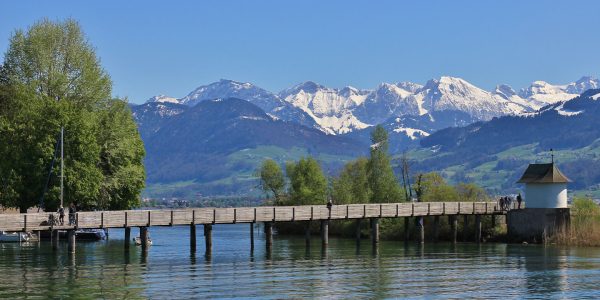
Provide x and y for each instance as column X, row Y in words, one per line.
column 141, row 218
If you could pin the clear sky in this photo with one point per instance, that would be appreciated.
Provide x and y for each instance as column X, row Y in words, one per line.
column 171, row 47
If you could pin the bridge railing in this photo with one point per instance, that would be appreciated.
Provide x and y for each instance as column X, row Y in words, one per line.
column 137, row 218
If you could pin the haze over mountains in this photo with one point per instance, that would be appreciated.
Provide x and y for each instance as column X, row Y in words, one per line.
column 214, row 138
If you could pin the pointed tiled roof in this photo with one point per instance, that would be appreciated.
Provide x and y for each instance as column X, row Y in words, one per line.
column 543, row 173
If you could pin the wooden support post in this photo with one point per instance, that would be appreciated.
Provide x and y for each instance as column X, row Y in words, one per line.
column 251, row 236
column 269, row 234
column 127, row 237
column 144, row 238
column 358, row 221
column 454, row 226
column 375, row 231
column 421, row 230
column 54, row 239
column 71, row 234
column 324, row 233
column 436, row 228
column 465, row 228
column 478, row 228
column 193, row 237
column 493, row 221
column 406, row 229
column 307, row 234
column 208, row 238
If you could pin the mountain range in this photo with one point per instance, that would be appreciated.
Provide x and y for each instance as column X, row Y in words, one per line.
column 496, row 152
column 340, row 111
column 221, row 141
column 213, row 139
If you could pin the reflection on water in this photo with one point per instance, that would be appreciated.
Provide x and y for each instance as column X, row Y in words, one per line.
column 394, row 269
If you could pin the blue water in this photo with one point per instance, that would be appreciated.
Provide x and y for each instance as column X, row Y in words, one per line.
column 170, row 270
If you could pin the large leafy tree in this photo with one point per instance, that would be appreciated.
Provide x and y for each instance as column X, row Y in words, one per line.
column 121, row 158
column 271, row 179
column 382, row 181
column 431, row 187
column 308, row 185
column 51, row 78
column 352, row 186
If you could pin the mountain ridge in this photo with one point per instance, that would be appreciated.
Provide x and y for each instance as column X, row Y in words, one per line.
column 343, row 110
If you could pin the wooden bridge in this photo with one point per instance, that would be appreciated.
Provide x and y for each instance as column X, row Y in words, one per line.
column 265, row 214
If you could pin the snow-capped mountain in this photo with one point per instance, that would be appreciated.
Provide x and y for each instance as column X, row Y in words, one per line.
column 339, row 111
column 262, row 98
column 344, row 110
column 541, row 93
column 330, row 108
column 232, row 89
column 152, row 115
column 567, row 124
column 162, row 99
column 583, row 84
column 388, row 100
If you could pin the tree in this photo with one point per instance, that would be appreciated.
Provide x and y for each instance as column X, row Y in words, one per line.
column 352, row 185
column 471, row 192
column 308, row 185
column 431, row 187
column 405, row 169
column 382, row 181
column 51, row 78
column 271, row 179
column 121, row 158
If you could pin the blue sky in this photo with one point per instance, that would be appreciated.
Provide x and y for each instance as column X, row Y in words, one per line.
column 171, row 47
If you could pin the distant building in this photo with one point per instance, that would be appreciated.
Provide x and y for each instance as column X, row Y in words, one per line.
column 545, row 186
column 546, row 211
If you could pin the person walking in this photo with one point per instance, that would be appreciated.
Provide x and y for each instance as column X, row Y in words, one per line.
column 61, row 215
column 519, row 200
column 72, row 211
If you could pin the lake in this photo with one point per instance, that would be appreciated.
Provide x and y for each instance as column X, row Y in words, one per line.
column 393, row 270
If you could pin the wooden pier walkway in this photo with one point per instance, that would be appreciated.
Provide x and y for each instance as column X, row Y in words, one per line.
column 265, row 214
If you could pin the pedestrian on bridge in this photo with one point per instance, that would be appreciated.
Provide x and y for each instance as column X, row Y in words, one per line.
column 72, row 211
column 61, row 215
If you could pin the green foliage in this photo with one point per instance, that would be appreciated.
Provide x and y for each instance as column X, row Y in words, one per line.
column 271, row 179
column 382, row 181
column 308, row 185
column 51, row 78
column 431, row 187
column 471, row 192
column 121, row 158
column 352, row 186
column 585, row 208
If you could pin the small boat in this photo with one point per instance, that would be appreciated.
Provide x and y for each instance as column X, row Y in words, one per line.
column 90, row 234
column 138, row 241
column 13, row 236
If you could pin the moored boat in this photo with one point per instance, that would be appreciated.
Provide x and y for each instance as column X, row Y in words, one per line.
column 13, row 236
column 90, row 234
